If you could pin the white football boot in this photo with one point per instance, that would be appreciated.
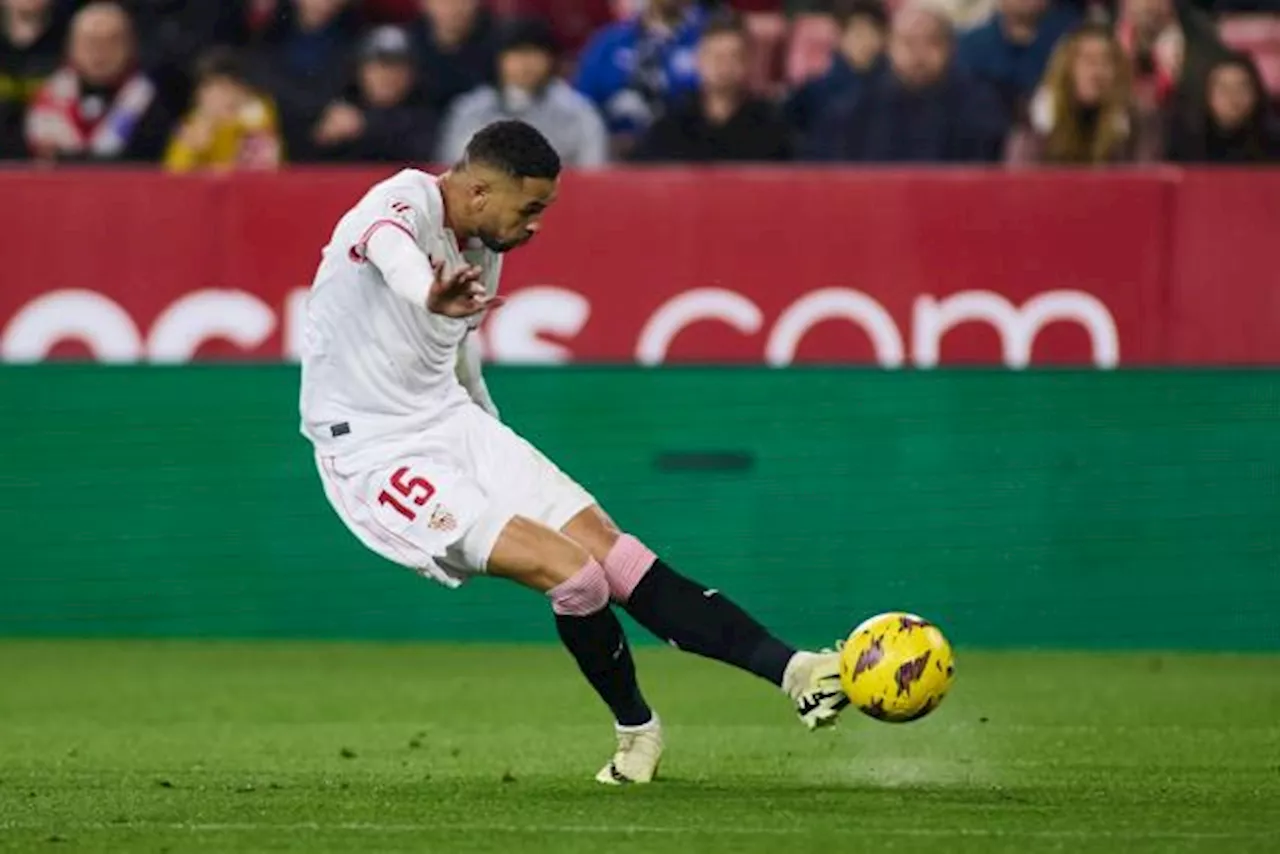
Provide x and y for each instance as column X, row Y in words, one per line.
column 812, row 681
column 638, row 755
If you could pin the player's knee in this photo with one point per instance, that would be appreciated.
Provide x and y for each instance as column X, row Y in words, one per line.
column 626, row 564
column 583, row 593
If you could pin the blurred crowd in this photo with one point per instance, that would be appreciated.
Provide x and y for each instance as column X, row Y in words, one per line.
column 253, row 84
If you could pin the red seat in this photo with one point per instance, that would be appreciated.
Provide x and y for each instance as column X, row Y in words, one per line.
column 813, row 38
column 1250, row 32
column 390, row 11
column 572, row 21
column 1268, row 62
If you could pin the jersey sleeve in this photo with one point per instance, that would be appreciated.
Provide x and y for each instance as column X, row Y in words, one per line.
column 405, row 269
column 399, row 208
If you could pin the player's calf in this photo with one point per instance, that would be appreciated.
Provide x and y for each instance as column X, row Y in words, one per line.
column 694, row 617
column 701, row 620
column 578, row 588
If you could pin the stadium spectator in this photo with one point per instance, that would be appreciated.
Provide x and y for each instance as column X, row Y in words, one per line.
column 172, row 32
column 859, row 55
column 98, row 107
column 1172, row 48
column 385, row 116
column 1238, row 126
column 230, row 126
column 1011, row 50
column 454, row 43
column 262, row 15
column 304, row 61
column 720, row 120
column 528, row 89
column 966, row 14
column 633, row 68
column 30, row 50
column 1084, row 113
column 922, row 109
column 572, row 21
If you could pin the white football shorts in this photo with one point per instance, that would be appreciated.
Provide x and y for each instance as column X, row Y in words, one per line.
column 436, row 501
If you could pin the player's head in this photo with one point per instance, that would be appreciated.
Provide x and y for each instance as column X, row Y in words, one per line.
column 509, row 175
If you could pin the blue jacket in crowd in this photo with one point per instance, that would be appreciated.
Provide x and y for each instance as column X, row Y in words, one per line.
column 1015, row 70
column 631, row 73
column 806, row 106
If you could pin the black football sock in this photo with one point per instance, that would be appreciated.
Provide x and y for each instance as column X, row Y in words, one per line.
column 700, row 620
column 600, row 647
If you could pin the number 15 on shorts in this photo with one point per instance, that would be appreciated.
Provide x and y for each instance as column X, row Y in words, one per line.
column 407, row 490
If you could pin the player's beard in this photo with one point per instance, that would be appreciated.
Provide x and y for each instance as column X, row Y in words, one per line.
column 493, row 244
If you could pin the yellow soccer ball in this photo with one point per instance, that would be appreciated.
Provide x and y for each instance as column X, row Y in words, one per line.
column 896, row 667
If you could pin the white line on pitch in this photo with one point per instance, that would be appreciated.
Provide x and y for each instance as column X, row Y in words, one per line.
column 736, row 830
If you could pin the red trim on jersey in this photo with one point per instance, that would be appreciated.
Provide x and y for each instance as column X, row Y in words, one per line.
column 357, row 252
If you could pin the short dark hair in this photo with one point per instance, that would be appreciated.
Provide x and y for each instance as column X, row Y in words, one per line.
column 221, row 63
column 848, row 11
column 524, row 33
column 724, row 23
column 514, row 148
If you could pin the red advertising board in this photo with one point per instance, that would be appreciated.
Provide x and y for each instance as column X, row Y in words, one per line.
column 777, row 266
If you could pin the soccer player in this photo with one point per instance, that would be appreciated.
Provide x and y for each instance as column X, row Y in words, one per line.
column 416, row 462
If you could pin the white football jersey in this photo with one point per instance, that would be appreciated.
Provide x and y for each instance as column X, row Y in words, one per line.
column 373, row 364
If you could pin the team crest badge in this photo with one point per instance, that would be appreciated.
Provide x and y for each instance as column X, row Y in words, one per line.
column 442, row 520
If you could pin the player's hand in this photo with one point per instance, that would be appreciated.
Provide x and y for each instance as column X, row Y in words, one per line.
column 460, row 294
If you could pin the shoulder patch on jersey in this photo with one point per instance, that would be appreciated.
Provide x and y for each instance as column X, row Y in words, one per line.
column 403, row 213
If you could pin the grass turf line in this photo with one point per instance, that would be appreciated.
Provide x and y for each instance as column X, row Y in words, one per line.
column 201, row 747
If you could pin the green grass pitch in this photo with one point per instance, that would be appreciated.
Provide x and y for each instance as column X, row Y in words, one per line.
column 202, row 747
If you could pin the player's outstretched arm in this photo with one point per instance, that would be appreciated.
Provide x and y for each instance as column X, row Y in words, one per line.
column 409, row 273
column 461, row 293
column 402, row 264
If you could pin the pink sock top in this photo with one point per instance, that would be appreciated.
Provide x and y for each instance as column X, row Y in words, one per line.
column 627, row 563
column 585, row 593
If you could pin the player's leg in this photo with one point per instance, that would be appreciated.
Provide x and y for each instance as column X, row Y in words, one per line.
column 537, row 557
column 541, row 558
column 701, row 620
column 420, row 508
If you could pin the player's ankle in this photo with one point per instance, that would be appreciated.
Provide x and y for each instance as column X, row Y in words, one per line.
column 651, row 722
